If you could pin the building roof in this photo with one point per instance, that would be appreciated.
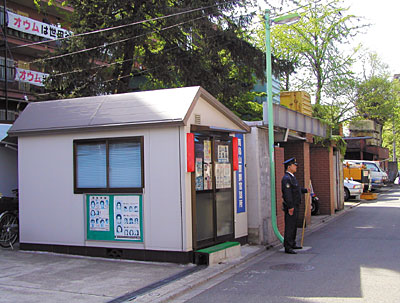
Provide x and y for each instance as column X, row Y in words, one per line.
column 165, row 106
column 287, row 118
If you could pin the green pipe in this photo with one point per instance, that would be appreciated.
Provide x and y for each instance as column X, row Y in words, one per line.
column 268, row 113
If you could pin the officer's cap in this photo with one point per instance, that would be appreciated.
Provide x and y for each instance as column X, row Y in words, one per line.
column 290, row 162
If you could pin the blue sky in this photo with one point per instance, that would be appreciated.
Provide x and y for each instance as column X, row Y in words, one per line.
column 381, row 36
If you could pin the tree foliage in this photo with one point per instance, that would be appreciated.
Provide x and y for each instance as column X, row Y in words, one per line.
column 377, row 98
column 314, row 44
column 207, row 47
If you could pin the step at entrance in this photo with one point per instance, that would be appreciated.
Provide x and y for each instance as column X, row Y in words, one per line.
column 217, row 253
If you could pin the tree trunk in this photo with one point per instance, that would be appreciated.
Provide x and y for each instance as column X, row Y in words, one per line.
column 126, row 68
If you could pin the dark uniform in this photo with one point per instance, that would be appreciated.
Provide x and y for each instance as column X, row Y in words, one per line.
column 291, row 192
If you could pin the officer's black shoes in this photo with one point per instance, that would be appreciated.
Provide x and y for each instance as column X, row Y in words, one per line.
column 297, row 247
column 290, row 251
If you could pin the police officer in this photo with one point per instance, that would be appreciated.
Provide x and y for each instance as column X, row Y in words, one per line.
column 291, row 192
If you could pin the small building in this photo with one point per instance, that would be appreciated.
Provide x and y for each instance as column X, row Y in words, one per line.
column 149, row 175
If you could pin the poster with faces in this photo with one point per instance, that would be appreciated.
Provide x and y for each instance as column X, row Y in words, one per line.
column 127, row 217
column 223, row 153
column 99, row 213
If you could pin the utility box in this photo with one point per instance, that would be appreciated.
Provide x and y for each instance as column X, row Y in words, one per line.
column 299, row 101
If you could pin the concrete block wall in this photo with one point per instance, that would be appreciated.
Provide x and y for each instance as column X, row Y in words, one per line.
column 258, row 187
column 322, row 177
column 279, row 172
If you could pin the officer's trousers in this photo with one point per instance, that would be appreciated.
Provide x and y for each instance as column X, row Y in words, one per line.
column 290, row 228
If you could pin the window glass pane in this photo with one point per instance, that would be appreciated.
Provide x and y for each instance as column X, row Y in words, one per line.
column 125, row 165
column 224, row 213
column 91, row 165
column 204, row 215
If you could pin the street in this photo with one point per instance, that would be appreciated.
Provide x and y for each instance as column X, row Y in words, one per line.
column 352, row 259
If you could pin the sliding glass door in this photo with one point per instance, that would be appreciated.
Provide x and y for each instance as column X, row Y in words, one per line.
column 213, row 186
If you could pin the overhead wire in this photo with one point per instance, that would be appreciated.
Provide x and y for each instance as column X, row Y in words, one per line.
column 119, row 62
column 121, row 26
column 115, row 42
column 120, row 41
column 138, row 36
column 147, row 70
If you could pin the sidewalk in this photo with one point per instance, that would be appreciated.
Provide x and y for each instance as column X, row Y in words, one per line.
column 48, row 277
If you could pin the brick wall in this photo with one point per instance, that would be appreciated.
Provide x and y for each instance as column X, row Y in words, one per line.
column 322, row 177
column 279, row 172
column 301, row 151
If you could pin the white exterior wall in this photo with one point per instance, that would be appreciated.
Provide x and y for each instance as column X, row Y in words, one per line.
column 8, row 171
column 210, row 116
column 50, row 212
column 188, row 236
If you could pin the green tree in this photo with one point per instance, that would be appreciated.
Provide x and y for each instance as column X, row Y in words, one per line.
column 315, row 43
column 376, row 93
column 339, row 108
column 208, row 47
column 377, row 97
column 391, row 129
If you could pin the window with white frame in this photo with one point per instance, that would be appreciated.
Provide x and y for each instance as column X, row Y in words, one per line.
column 109, row 165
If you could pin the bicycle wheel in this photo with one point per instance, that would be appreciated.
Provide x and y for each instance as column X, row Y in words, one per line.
column 8, row 229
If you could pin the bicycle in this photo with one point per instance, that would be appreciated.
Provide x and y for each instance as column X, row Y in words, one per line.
column 9, row 221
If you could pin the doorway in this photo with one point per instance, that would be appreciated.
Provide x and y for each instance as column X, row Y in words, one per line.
column 212, row 185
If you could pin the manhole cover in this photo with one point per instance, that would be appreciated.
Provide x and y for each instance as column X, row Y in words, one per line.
column 292, row 267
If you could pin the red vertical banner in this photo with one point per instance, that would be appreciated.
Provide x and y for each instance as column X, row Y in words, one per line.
column 190, row 152
column 235, row 156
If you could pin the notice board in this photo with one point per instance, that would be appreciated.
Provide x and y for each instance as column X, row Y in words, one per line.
column 114, row 217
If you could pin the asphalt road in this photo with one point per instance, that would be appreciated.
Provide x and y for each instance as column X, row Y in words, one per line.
column 355, row 258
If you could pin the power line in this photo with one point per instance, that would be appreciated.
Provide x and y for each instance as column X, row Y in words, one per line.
column 138, row 36
column 121, row 26
column 122, row 40
column 115, row 42
column 125, row 76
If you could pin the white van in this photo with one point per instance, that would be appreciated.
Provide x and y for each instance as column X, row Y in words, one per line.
column 378, row 176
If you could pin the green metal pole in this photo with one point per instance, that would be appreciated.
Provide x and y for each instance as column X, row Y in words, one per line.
column 268, row 113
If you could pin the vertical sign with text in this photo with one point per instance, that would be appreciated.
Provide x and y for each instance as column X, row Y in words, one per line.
column 240, row 177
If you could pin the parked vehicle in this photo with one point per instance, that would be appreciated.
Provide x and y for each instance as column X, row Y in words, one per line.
column 352, row 189
column 9, row 228
column 359, row 173
column 314, row 204
column 378, row 176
